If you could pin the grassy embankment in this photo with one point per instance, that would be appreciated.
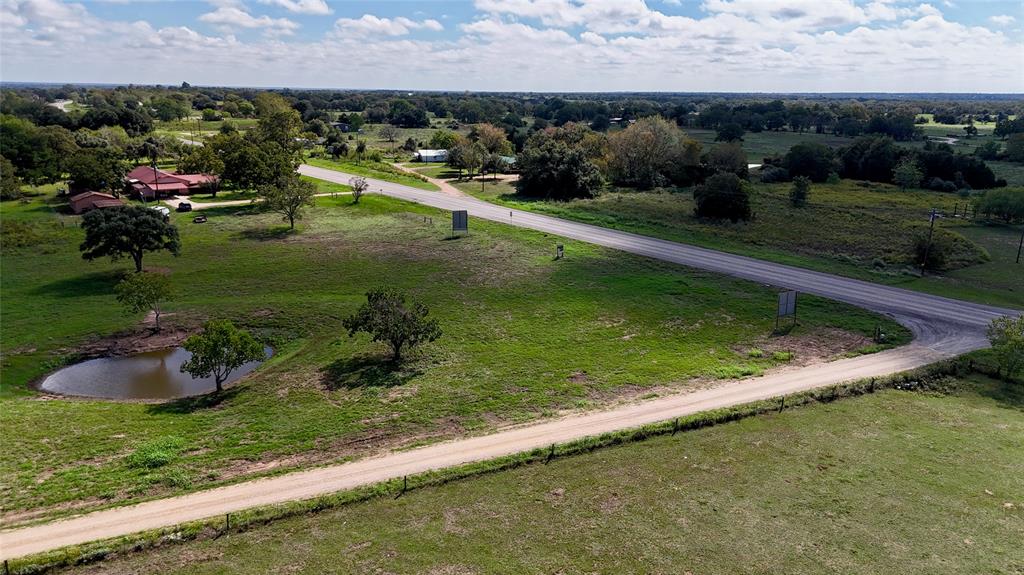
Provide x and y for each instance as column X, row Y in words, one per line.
column 927, row 482
column 524, row 337
column 861, row 232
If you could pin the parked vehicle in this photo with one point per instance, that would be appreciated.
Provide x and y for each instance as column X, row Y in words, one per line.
column 184, row 207
column 199, row 220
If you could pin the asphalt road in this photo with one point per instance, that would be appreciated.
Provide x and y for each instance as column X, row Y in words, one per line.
column 942, row 327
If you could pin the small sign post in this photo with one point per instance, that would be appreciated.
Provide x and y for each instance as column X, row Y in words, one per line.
column 460, row 221
column 559, row 251
column 787, row 307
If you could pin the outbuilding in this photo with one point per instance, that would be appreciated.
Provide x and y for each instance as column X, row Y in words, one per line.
column 86, row 201
column 432, row 155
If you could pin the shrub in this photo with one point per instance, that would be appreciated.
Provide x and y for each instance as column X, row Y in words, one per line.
column 774, row 174
column 722, row 196
column 755, row 353
column 809, row 159
column 1006, row 204
column 799, row 192
column 782, row 355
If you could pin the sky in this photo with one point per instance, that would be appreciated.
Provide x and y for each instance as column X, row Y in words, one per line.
column 523, row 45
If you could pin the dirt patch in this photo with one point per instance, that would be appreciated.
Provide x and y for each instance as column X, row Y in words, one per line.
column 820, row 345
column 578, row 377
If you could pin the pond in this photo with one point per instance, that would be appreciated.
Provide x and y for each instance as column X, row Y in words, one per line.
column 147, row 375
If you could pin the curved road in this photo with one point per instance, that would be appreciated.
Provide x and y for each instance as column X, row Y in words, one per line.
column 942, row 326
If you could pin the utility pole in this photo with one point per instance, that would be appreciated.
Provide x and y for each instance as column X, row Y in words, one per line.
column 928, row 246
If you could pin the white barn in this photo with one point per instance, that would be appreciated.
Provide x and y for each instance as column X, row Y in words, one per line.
column 431, row 155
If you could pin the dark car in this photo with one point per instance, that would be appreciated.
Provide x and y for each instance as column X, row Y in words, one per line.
column 184, row 207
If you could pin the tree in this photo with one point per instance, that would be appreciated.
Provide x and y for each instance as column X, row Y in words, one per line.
column 1015, row 148
column 731, row 132
column 799, row 192
column 288, row 196
column 722, row 196
column 652, row 152
column 443, row 140
column 907, row 174
column 1006, row 335
column 127, row 230
column 10, row 183
column 493, row 139
column 359, row 186
column 552, row 168
column 809, row 159
column 728, row 158
column 201, row 160
column 144, row 292
column 389, row 132
column 1006, row 204
column 220, row 349
column 387, row 317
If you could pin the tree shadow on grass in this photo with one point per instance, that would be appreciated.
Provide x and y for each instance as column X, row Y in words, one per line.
column 90, row 284
column 265, row 234
column 366, row 371
column 188, row 405
column 1008, row 393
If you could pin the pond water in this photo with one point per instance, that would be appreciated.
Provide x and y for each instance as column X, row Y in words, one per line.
column 148, row 375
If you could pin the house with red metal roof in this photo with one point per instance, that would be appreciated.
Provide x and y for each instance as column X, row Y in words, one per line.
column 152, row 183
column 81, row 203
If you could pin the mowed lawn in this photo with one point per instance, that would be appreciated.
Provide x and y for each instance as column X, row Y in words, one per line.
column 525, row 337
column 895, row 482
column 847, row 229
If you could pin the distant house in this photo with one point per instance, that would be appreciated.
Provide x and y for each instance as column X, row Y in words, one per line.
column 508, row 163
column 86, row 201
column 151, row 183
column 431, row 155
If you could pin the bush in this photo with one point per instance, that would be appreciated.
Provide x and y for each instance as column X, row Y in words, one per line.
column 774, row 174
column 949, row 250
column 940, row 185
column 809, row 159
column 799, row 192
column 722, row 196
column 1006, row 204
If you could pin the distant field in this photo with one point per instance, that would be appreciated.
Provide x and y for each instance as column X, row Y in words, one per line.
column 896, row 481
column 846, row 229
column 762, row 144
column 369, row 169
column 525, row 337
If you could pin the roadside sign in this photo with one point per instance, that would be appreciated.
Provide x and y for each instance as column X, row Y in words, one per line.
column 787, row 307
column 787, row 303
column 460, row 221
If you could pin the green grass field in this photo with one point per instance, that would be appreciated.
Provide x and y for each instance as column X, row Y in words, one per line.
column 896, row 481
column 370, row 169
column 759, row 145
column 862, row 232
column 525, row 337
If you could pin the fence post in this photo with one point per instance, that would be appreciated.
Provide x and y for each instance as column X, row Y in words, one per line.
column 227, row 522
column 782, row 403
column 7, row 568
column 551, row 454
column 675, row 425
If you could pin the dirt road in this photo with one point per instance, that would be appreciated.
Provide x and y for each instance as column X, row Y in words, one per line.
column 942, row 327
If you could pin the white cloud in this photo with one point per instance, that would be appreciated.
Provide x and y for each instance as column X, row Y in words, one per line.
column 1002, row 20
column 301, row 6
column 229, row 17
column 369, row 25
column 558, row 45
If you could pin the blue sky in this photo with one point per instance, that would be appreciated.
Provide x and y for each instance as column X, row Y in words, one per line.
column 528, row 45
